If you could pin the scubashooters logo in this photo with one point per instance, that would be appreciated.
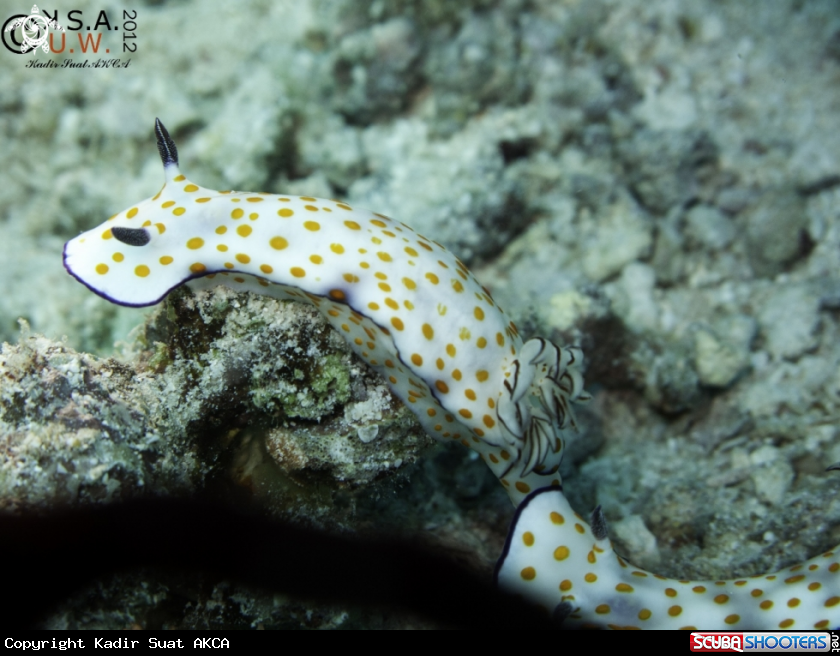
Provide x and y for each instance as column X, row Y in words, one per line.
column 34, row 31
column 25, row 34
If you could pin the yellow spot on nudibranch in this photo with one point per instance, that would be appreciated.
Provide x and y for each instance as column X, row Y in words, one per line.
column 166, row 259
column 198, row 267
column 313, row 226
column 131, row 213
column 285, row 212
column 244, row 230
column 237, row 213
column 195, row 243
column 102, row 269
column 190, row 188
column 118, row 257
column 278, row 243
column 142, row 270
column 241, row 257
column 528, row 573
column 297, row 272
column 178, row 211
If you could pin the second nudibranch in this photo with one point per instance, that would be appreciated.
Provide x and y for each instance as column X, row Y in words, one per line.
column 405, row 304
column 557, row 560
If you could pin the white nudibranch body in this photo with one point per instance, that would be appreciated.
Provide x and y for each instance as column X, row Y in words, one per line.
column 405, row 304
column 553, row 558
column 413, row 312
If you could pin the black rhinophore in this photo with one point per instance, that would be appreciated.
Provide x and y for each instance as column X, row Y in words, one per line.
column 598, row 524
column 166, row 147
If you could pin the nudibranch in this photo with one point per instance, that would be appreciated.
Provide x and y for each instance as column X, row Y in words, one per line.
column 555, row 559
column 405, row 304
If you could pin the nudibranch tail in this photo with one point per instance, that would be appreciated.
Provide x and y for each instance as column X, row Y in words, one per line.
column 405, row 305
column 552, row 558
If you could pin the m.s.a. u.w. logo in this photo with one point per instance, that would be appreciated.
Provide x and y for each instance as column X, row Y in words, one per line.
column 27, row 33
column 32, row 31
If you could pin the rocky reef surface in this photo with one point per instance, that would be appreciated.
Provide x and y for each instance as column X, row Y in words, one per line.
column 657, row 181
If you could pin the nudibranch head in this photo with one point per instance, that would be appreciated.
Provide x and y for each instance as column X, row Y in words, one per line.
column 126, row 259
column 126, row 262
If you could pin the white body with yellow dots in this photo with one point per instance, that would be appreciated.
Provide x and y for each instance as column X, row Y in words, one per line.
column 414, row 312
column 404, row 303
column 553, row 559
